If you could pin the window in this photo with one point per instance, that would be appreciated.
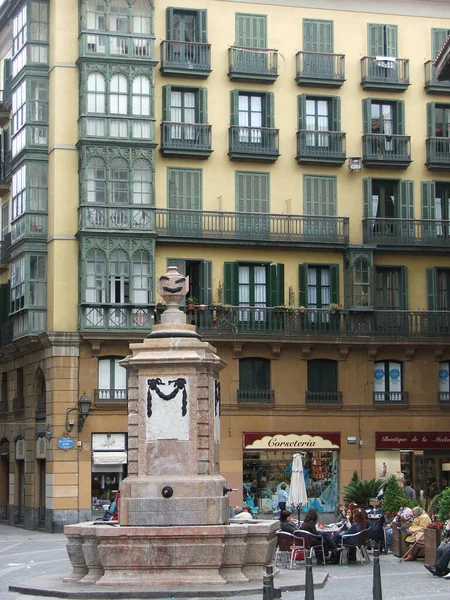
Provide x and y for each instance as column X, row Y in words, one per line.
column 141, row 97
column 5, row 220
column 322, row 376
column 199, row 272
column 184, row 188
column 96, row 181
column 38, row 184
column 19, row 193
column 251, row 31
column 436, row 206
column 119, row 181
column 391, row 288
column 186, row 25
column 388, row 198
column 253, row 284
column 96, row 15
column 37, row 282
column 252, row 111
column 141, row 17
column 118, row 16
column 318, row 285
column 18, row 119
column 141, row 278
column 444, row 381
column 95, row 276
column 112, row 379
column 388, row 376
column 142, row 185
column 253, row 196
column 438, row 38
column 39, row 21
column 254, row 374
column 182, row 110
column 318, row 48
column 18, row 285
column 438, row 288
column 118, row 95
column 38, row 100
column 359, row 273
column 384, row 118
column 19, row 40
column 382, row 40
column 96, row 93
column 119, row 277
column 319, row 114
column 20, row 383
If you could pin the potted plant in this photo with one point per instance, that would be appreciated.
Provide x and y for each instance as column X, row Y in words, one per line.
column 191, row 301
column 335, row 307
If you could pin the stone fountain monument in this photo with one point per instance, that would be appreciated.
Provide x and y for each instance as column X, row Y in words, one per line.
column 173, row 510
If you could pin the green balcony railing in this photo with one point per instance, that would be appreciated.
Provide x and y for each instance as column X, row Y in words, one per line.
column 323, row 398
column 29, row 225
column 186, row 139
column 252, row 64
column 255, row 397
column 110, row 395
column 117, row 127
column 124, row 218
column 384, row 72
column 407, row 232
column 253, row 143
column 390, row 398
column 386, row 150
column 247, row 227
column 113, row 45
column 438, row 153
column 319, row 69
column 185, row 58
column 324, row 147
column 432, row 84
column 109, row 317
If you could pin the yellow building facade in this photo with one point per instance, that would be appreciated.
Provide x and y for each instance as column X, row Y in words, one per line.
column 294, row 161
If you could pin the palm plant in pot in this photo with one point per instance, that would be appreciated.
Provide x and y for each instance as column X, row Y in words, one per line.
column 191, row 301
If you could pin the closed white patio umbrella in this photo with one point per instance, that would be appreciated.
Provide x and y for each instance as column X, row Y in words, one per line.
column 297, row 491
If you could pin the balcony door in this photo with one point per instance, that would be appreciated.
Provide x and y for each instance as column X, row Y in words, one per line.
column 250, row 118
column 318, row 46
column 391, row 295
column 317, row 120
column 383, row 123
column 182, row 111
column 182, row 28
column 112, row 380
column 251, row 33
column 184, row 195
column 442, row 209
column 253, row 291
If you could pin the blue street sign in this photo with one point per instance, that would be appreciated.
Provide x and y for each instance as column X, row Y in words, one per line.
column 66, row 443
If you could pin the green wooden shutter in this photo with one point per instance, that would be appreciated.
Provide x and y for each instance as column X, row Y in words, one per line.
column 367, row 191
column 205, row 283
column 301, row 108
column 166, row 94
column 375, row 39
column 314, row 376
column 431, row 119
column 325, row 41
column 428, row 196
column 403, row 288
column 432, row 288
column 245, row 374
column 367, row 115
column 400, row 117
column 275, row 287
column 438, row 37
column 303, row 285
column 234, row 107
column 391, row 40
column 251, row 31
column 335, row 113
column 4, row 302
column 406, row 199
column 309, row 34
column 169, row 23
column 317, row 36
column 231, row 283
column 268, row 116
column 202, row 31
column 202, row 105
column 179, row 263
column 334, row 281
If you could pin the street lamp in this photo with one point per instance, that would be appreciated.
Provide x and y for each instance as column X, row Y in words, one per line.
column 83, row 407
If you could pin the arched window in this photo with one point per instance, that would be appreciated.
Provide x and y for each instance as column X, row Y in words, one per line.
column 95, row 276
column 141, row 22
column 96, row 181
column 95, row 15
column 96, row 96
column 119, row 277
column 118, row 95
column 119, row 181
column 118, row 16
column 142, row 184
column 141, row 285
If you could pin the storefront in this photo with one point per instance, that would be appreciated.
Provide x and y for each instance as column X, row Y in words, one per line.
column 421, row 458
column 109, row 467
column 267, row 463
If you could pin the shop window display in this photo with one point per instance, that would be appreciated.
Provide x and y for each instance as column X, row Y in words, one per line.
column 265, row 471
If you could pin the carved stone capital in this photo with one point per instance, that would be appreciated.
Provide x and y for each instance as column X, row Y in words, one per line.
column 343, row 352
column 438, row 353
column 409, row 353
column 276, row 351
column 306, row 352
column 237, row 350
column 372, row 353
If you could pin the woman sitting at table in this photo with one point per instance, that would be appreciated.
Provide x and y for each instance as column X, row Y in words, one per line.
column 286, row 522
column 309, row 524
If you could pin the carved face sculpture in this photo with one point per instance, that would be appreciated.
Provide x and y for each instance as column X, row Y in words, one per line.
column 172, row 286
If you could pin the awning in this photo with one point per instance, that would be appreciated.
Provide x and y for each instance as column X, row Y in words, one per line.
column 109, row 458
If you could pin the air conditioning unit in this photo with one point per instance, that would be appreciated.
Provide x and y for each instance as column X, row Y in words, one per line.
column 355, row 163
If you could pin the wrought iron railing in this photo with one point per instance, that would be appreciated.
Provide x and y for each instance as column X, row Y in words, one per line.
column 385, row 70
column 438, row 151
column 323, row 397
column 390, row 397
column 325, row 145
column 320, row 66
column 116, row 318
column 254, row 141
column 386, row 148
column 444, row 398
column 186, row 136
column 19, row 403
column 261, row 62
column 244, row 227
column 110, row 395
column 255, row 396
column 409, row 232
column 431, row 80
column 93, row 216
column 186, row 56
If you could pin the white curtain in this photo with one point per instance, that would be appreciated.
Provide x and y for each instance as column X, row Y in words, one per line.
column 438, row 215
column 260, row 290
column 312, row 287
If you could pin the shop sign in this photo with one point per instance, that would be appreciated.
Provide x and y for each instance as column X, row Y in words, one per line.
column 108, row 441
column 41, row 447
column 412, row 440
column 66, row 443
column 20, row 449
column 291, row 441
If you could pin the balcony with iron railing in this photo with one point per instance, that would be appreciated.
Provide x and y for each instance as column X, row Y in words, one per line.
column 432, row 85
column 252, row 64
column 319, row 69
column 19, row 403
column 246, row 228
column 255, row 397
column 385, row 73
column 444, row 398
column 110, row 317
column 380, row 150
column 438, row 153
column 421, row 233
column 186, row 140
column 390, row 398
column 253, row 143
column 104, row 45
column 114, row 396
column 323, row 398
column 191, row 59
column 116, row 218
column 321, row 147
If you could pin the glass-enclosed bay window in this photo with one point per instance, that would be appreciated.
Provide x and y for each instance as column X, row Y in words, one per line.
column 28, row 293
column 30, row 35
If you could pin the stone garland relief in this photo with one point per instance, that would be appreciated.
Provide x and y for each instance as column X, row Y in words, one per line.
column 167, row 412
column 216, row 410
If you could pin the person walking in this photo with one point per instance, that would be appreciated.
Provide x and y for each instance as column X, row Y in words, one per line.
column 282, row 497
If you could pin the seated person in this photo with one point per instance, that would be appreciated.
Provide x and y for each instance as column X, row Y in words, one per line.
column 286, row 522
column 415, row 533
column 243, row 513
column 309, row 524
column 440, row 568
column 358, row 524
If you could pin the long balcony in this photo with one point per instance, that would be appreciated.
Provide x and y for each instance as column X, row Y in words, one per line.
column 103, row 317
column 381, row 150
column 253, row 143
column 407, row 232
column 385, row 73
column 257, row 322
column 390, row 398
column 252, row 64
column 321, row 147
column 438, row 153
column 110, row 396
column 191, row 59
column 116, row 218
column 186, row 140
column 323, row 398
column 244, row 228
column 319, row 69
column 432, row 85
column 117, row 46
column 255, row 397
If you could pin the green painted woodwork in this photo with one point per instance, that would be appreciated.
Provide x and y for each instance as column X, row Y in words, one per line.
column 317, row 35
column 322, row 375
column 251, row 30
column 254, row 374
column 381, row 40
